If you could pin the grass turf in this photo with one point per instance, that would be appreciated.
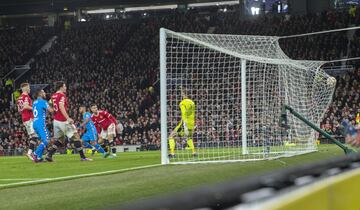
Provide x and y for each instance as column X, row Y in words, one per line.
column 101, row 191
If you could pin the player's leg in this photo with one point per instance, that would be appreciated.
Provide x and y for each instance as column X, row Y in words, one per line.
column 88, row 145
column 99, row 148
column 172, row 142
column 33, row 138
column 190, row 144
column 99, row 141
column 188, row 133
column 105, row 141
column 90, row 141
column 86, row 141
column 44, row 142
column 59, row 140
column 111, row 133
column 43, row 132
column 75, row 138
column 73, row 135
column 32, row 144
column 95, row 143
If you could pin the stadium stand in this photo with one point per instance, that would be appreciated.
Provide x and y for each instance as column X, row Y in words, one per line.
column 345, row 103
column 17, row 45
column 114, row 63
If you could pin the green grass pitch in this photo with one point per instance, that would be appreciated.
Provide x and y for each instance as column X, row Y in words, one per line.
column 125, row 183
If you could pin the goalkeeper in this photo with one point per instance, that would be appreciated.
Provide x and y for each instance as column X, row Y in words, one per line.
column 186, row 126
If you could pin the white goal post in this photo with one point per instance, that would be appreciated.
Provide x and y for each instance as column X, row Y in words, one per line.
column 239, row 84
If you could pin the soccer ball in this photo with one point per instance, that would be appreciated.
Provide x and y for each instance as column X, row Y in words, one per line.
column 331, row 81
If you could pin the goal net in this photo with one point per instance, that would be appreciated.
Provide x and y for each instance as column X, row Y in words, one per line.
column 239, row 84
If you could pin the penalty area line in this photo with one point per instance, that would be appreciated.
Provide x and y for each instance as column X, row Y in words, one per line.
column 65, row 178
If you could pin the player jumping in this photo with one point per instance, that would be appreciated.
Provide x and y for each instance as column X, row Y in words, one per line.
column 107, row 122
column 40, row 107
column 63, row 124
column 90, row 137
column 186, row 125
column 24, row 105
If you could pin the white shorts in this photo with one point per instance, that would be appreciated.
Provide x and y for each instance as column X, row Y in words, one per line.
column 29, row 127
column 110, row 131
column 62, row 129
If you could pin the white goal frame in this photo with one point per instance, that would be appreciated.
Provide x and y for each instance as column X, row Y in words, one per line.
column 244, row 59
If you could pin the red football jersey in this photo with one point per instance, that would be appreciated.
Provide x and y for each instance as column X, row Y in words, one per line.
column 56, row 99
column 104, row 119
column 26, row 114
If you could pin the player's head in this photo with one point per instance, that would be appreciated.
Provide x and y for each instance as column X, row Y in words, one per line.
column 25, row 87
column 40, row 94
column 93, row 108
column 60, row 86
column 82, row 109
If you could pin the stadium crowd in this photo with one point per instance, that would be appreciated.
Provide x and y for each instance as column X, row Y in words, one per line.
column 329, row 46
column 17, row 45
column 115, row 64
column 345, row 103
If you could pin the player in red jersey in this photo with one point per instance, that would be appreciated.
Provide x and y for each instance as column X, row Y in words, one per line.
column 63, row 124
column 107, row 123
column 24, row 105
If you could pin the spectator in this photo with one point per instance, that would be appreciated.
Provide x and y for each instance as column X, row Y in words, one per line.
column 113, row 63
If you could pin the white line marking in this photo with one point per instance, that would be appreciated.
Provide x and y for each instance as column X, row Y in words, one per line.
column 282, row 162
column 21, row 179
column 63, row 178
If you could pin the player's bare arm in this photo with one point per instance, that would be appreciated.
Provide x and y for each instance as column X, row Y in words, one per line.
column 27, row 106
column 63, row 111
column 50, row 109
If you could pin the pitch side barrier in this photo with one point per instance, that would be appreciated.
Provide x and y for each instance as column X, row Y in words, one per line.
column 254, row 189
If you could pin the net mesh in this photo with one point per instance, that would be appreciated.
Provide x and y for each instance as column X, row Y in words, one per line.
column 208, row 68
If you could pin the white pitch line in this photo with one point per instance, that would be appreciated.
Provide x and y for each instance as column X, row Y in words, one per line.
column 21, row 179
column 63, row 178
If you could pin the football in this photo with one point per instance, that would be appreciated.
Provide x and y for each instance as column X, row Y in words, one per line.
column 331, row 81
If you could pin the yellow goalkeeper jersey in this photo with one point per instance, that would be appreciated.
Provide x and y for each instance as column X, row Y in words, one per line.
column 187, row 107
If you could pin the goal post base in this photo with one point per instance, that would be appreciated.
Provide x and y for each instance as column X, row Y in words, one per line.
column 283, row 122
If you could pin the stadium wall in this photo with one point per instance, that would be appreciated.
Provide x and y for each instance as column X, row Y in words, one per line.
column 329, row 184
column 337, row 192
